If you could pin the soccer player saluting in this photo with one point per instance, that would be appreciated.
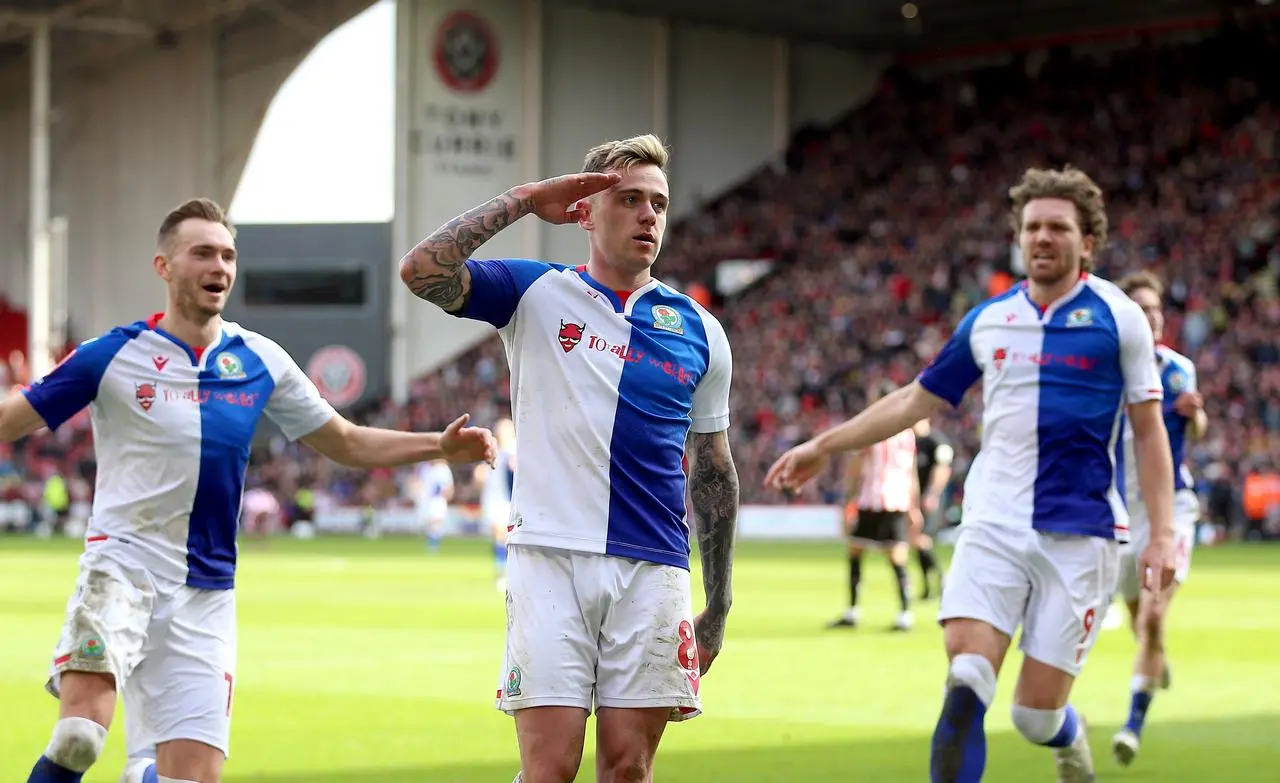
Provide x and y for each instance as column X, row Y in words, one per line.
column 1060, row 357
column 175, row 400
column 1184, row 417
column 611, row 372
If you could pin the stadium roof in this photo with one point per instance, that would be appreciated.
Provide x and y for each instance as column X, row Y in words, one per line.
column 95, row 29
column 880, row 25
column 98, row 27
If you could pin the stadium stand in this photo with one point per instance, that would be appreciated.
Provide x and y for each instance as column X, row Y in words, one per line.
column 889, row 224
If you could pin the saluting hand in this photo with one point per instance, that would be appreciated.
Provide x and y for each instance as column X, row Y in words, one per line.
column 555, row 200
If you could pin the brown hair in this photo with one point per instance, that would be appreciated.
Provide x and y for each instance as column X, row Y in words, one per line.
column 1142, row 279
column 624, row 154
column 194, row 209
column 1070, row 184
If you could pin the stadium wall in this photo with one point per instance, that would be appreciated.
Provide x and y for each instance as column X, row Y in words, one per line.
column 132, row 137
column 495, row 92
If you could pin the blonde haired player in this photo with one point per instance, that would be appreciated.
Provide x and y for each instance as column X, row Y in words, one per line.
column 175, row 400
column 1184, row 419
column 612, row 373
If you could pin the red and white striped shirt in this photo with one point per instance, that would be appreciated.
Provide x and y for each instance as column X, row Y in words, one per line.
column 888, row 474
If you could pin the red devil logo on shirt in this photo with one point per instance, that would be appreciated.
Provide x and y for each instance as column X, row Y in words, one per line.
column 146, row 395
column 998, row 356
column 570, row 335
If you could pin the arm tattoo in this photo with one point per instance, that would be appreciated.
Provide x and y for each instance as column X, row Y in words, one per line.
column 713, row 490
column 434, row 270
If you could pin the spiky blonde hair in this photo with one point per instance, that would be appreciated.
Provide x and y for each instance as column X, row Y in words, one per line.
column 625, row 153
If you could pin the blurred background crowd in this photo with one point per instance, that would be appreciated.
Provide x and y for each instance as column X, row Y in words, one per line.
column 882, row 230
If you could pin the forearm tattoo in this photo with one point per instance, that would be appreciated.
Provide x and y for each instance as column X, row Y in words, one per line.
column 713, row 491
column 434, row 270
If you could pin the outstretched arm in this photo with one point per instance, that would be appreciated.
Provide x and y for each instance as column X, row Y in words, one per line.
column 713, row 491
column 435, row 270
column 886, row 417
column 369, row 447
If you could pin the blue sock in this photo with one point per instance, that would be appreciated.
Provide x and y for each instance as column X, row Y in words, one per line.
column 45, row 771
column 433, row 542
column 1067, row 734
column 500, row 555
column 959, row 752
column 1138, row 712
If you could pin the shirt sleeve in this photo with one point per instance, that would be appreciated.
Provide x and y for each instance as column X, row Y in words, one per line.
column 1137, row 355
column 711, row 396
column 74, row 383
column 954, row 371
column 1182, row 378
column 295, row 404
column 497, row 287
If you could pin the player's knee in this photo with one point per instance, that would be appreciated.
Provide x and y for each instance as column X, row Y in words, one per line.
column 1151, row 623
column 549, row 771
column 974, row 672
column 548, row 767
column 628, row 769
column 76, row 743
column 1038, row 726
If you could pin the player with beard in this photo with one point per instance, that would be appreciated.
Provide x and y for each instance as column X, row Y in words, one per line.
column 175, row 400
column 1061, row 358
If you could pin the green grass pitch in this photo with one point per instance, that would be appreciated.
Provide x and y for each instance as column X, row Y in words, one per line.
column 372, row 661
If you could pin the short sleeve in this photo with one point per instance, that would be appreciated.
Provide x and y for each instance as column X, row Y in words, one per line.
column 1137, row 354
column 74, row 383
column 711, row 396
column 295, row 404
column 1193, row 381
column 497, row 287
column 1181, row 378
column 953, row 371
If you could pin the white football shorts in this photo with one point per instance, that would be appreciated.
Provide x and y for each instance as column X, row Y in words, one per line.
column 1186, row 513
column 170, row 647
column 589, row 630
column 1056, row 587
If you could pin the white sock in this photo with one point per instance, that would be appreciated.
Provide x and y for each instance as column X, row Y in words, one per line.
column 76, row 743
column 1142, row 684
column 163, row 779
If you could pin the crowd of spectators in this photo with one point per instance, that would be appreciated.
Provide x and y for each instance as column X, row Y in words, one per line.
column 885, row 227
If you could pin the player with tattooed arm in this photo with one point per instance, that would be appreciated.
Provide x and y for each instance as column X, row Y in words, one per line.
column 613, row 376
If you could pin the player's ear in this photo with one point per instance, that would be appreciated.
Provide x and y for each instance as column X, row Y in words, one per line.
column 583, row 211
column 161, row 264
column 1088, row 243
